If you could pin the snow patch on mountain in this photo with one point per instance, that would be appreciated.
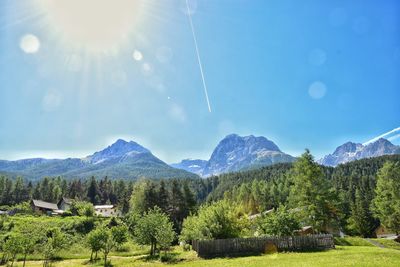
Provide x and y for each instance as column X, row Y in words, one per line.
column 353, row 151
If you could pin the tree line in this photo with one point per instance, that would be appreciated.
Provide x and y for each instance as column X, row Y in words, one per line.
column 349, row 191
column 96, row 191
column 346, row 193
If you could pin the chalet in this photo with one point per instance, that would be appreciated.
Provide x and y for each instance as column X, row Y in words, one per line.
column 45, row 207
column 64, row 204
column 106, row 210
column 306, row 230
column 382, row 232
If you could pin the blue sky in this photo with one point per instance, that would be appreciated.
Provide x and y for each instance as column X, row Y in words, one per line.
column 302, row 73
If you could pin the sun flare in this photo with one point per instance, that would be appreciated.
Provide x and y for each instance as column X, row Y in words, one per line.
column 95, row 25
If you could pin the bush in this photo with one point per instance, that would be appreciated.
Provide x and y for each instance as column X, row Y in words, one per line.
column 66, row 213
column 84, row 226
column 82, row 208
column 280, row 222
column 186, row 247
column 167, row 258
column 214, row 221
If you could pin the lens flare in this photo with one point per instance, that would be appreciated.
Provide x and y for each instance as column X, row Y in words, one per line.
column 96, row 25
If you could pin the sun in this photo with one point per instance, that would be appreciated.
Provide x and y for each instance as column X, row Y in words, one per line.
column 95, row 25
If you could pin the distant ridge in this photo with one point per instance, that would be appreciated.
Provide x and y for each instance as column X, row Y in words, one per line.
column 353, row 151
column 127, row 160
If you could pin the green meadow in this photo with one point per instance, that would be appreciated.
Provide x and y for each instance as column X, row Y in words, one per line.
column 341, row 256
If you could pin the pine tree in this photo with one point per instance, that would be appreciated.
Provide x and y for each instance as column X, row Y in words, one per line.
column 45, row 189
column 310, row 194
column 162, row 197
column 386, row 204
column 361, row 221
column 144, row 197
column 151, row 198
column 20, row 193
column 7, row 196
column 64, row 187
column 92, row 192
column 176, row 208
column 36, row 192
column 190, row 201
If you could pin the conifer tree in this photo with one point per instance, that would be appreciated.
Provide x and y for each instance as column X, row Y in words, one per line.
column 361, row 221
column 310, row 196
column 386, row 204
column 162, row 202
column 92, row 192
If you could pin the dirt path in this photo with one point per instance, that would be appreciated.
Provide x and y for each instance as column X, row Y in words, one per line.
column 376, row 244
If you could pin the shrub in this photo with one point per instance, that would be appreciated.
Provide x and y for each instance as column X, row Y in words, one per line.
column 214, row 221
column 82, row 208
column 280, row 222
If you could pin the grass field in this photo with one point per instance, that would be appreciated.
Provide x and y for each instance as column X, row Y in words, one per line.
column 341, row 256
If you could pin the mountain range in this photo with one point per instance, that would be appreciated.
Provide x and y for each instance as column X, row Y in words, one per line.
column 353, row 151
column 130, row 160
column 122, row 159
column 236, row 153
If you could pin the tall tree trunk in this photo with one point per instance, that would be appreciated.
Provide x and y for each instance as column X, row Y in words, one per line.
column 23, row 265
column 91, row 256
column 13, row 259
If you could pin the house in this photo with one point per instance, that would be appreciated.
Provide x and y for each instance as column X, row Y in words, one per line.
column 45, row 207
column 64, row 203
column 382, row 232
column 254, row 216
column 106, row 210
column 306, row 230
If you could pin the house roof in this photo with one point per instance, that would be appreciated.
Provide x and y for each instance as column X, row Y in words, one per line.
column 97, row 207
column 66, row 201
column 305, row 228
column 44, row 205
column 251, row 217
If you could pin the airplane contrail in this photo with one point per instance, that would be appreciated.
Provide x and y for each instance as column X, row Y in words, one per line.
column 383, row 135
column 394, row 137
column 198, row 56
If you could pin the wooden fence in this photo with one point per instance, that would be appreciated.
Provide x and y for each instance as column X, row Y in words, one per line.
column 237, row 246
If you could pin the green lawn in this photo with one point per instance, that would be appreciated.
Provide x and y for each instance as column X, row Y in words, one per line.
column 352, row 241
column 341, row 256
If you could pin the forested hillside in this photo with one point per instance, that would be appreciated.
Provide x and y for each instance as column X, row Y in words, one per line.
column 352, row 188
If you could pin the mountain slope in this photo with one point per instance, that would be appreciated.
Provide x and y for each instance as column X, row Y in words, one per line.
column 191, row 165
column 122, row 159
column 235, row 153
column 352, row 151
column 117, row 150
